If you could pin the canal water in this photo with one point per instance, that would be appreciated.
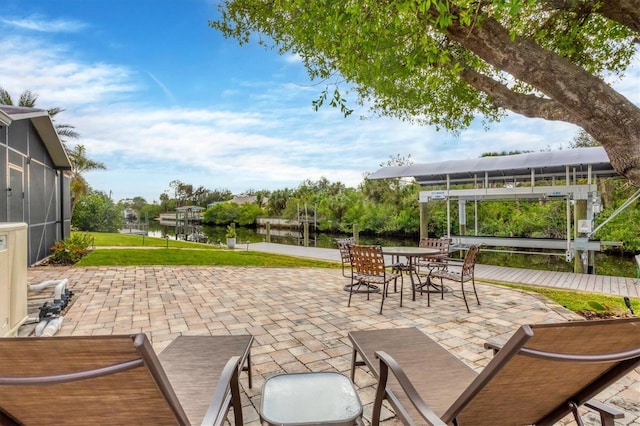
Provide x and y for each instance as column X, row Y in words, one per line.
column 605, row 264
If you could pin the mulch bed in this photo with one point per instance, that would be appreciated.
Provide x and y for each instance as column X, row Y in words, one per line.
column 593, row 315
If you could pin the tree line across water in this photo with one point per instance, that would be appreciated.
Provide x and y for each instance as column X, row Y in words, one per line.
column 380, row 207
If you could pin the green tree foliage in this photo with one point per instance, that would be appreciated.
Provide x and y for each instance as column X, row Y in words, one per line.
column 278, row 201
column 96, row 212
column 229, row 212
column 182, row 192
column 80, row 164
column 390, row 206
column 142, row 210
column 222, row 214
column 167, row 203
column 625, row 226
column 220, row 194
column 436, row 213
column 395, row 199
column 332, row 208
column 150, row 211
column 135, row 203
column 249, row 213
column 525, row 219
column 186, row 194
column 444, row 62
column 583, row 140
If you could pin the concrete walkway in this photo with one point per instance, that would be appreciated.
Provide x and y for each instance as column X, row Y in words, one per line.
column 299, row 317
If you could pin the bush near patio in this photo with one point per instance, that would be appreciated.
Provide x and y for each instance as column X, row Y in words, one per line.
column 71, row 250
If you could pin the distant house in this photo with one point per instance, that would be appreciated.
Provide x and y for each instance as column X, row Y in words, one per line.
column 244, row 199
column 34, row 187
column 241, row 199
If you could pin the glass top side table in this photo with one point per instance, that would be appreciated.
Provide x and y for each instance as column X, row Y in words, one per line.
column 309, row 399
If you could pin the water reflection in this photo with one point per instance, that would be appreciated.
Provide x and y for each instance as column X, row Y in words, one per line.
column 605, row 264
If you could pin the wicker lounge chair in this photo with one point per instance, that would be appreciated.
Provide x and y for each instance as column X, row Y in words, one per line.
column 120, row 380
column 542, row 374
column 370, row 271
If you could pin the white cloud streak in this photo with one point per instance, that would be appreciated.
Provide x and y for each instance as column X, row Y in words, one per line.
column 41, row 24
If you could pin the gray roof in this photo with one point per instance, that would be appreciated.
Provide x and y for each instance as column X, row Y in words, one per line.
column 552, row 163
column 44, row 126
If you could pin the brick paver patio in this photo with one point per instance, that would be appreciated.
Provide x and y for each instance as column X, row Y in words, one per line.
column 299, row 317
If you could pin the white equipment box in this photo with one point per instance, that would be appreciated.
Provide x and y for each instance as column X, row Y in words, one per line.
column 13, row 277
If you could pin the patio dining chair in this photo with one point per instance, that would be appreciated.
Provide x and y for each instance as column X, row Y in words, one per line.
column 454, row 270
column 369, row 270
column 541, row 375
column 442, row 244
column 119, row 379
column 345, row 254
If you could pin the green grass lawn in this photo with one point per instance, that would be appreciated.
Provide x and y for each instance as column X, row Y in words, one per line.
column 580, row 301
column 196, row 257
column 130, row 240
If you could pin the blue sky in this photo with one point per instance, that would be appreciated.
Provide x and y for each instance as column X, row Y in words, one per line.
column 158, row 95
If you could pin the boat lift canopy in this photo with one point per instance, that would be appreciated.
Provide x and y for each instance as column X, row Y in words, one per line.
column 551, row 165
column 534, row 175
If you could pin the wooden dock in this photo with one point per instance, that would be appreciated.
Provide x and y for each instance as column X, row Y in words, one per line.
column 619, row 286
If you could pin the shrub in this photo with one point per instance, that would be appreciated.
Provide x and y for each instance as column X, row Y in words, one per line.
column 71, row 250
column 96, row 213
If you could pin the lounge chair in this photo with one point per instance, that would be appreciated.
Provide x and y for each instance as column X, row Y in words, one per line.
column 119, row 380
column 542, row 374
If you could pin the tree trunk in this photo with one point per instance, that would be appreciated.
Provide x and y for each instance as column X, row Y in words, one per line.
column 574, row 95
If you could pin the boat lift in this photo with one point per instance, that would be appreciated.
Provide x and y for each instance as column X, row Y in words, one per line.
column 569, row 175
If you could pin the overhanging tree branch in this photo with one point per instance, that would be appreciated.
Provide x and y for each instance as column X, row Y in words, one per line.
column 560, row 80
column 503, row 97
column 625, row 12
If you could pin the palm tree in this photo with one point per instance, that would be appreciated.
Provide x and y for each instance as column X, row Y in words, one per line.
column 79, row 164
column 28, row 99
column 64, row 130
column 77, row 155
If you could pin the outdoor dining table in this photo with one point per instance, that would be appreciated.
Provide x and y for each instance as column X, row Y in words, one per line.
column 411, row 254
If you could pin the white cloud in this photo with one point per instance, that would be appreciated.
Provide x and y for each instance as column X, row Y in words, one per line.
column 42, row 24
column 60, row 80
